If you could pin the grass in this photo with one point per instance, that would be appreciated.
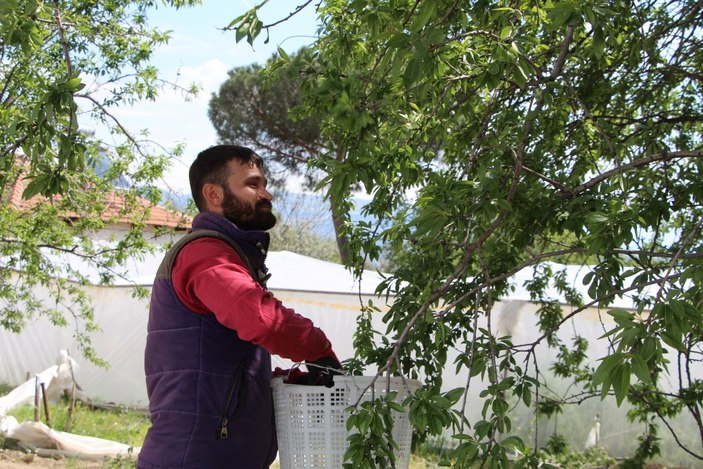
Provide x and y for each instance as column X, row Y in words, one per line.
column 121, row 425
column 416, row 462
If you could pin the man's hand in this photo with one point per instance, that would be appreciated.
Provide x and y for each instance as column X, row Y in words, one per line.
column 292, row 376
column 321, row 371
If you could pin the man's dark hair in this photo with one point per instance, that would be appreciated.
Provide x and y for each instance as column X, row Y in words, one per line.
column 210, row 167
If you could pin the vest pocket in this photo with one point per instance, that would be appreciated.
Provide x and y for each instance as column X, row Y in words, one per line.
column 234, row 402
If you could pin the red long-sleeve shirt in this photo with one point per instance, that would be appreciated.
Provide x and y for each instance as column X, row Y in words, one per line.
column 209, row 277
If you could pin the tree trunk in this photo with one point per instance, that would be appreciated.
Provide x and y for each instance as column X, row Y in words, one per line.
column 342, row 240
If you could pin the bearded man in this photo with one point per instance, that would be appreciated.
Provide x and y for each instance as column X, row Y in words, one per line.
column 213, row 327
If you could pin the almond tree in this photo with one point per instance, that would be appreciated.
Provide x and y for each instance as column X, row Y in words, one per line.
column 526, row 132
column 66, row 65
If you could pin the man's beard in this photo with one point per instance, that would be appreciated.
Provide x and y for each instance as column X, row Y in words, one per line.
column 245, row 216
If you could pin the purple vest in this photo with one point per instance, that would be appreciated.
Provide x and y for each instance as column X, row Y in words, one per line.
column 209, row 391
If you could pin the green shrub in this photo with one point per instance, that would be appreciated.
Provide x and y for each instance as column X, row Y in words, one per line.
column 594, row 457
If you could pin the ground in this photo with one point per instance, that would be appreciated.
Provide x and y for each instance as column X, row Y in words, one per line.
column 12, row 459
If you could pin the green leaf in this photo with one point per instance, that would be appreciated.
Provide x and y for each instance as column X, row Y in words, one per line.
column 515, row 443
column 74, row 84
column 396, row 406
column 596, row 219
column 454, row 395
column 607, row 384
column 607, row 367
column 482, row 429
column 8, row 5
column 283, row 54
column 562, row 13
column 673, row 339
column 254, row 30
column 622, row 316
column 527, row 395
column 413, row 72
column 241, row 32
column 426, row 12
column 621, row 382
column 35, row 187
column 237, row 20
column 598, row 42
column 499, row 406
column 521, row 73
column 639, row 367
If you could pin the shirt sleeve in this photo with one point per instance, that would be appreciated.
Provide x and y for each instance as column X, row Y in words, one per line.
column 209, row 277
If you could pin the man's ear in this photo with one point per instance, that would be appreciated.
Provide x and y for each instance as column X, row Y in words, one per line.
column 213, row 195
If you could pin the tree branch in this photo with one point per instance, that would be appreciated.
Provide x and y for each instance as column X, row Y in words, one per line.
column 664, row 156
column 105, row 111
column 556, row 184
column 297, row 10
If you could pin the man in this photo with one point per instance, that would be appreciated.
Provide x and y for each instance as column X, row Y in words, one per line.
column 213, row 325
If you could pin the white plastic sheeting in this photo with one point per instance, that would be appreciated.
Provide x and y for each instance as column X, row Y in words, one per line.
column 55, row 379
column 323, row 291
column 37, row 436
column 45, row 441
column 122, row 319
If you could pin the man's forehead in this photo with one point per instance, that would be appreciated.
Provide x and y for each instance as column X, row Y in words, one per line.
column 248, row 170
column 245, row 165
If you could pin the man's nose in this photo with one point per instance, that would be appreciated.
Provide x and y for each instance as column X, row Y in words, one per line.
column 266, row 195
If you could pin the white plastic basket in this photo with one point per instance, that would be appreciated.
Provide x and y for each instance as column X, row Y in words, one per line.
column 311, row 420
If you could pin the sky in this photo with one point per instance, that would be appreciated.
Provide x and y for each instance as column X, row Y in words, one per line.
column 200, row 52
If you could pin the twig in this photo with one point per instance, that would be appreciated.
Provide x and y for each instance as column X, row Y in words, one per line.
column 298, row 9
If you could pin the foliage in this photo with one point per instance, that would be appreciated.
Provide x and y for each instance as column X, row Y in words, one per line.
column 592, row 457
column 556, row 445
column 65, row 65
column 496, row 136
column 648, row 447
column 372, row 443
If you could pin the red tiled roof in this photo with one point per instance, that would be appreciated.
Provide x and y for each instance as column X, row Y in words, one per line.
column 114, row 212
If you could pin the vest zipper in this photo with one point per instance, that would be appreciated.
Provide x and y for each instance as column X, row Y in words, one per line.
column 239, row 382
